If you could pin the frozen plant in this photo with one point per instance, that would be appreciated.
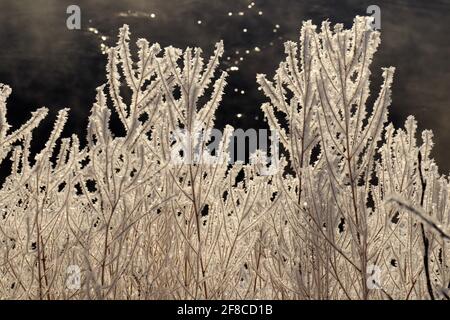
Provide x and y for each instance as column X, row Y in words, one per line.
column 335, row 223
column 356, row 209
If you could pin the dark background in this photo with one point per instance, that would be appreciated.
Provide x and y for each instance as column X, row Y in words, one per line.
column 48, row 65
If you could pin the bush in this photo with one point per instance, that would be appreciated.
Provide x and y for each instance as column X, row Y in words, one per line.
column 354, row 209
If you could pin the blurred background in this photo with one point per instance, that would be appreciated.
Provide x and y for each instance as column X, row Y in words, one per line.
column 48, row 65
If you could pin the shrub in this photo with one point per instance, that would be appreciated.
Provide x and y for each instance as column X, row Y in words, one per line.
column 356, row 209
